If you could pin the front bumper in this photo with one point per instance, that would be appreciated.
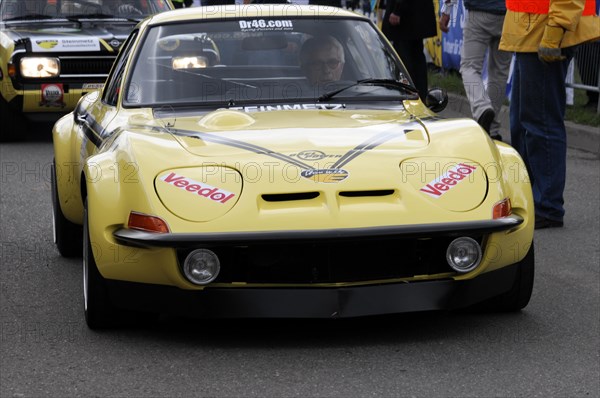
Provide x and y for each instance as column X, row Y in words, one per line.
column 334, row 302
column 35, row 101
column 307, row 258
column 136, row 238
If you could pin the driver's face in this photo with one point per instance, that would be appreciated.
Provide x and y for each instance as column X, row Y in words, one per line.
column 324, row 65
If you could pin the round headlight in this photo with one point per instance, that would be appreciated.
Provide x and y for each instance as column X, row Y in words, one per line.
column 463, row 254
column 201, row 266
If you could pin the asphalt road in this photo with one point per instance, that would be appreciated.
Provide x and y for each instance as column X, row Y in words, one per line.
column 550, row 349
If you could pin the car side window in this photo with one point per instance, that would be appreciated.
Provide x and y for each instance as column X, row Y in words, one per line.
column 115, row 78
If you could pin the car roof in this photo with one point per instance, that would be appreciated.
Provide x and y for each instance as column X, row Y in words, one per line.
column 251, row 11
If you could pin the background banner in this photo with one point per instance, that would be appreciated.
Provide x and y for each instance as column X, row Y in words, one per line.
column 444, row 49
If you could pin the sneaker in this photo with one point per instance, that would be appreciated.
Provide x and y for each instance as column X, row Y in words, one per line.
column 486, row 119
column 543, row 222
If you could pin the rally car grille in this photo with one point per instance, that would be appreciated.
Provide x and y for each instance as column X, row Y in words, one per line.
column 85, row 66
column 332, row 262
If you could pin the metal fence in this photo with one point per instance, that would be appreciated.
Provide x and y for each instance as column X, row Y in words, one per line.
column 587, row 64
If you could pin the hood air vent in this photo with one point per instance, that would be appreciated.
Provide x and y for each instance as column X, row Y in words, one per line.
column 282, row 197
column 377, row 192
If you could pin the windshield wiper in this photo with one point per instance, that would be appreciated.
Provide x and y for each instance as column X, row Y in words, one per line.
column 370, row 82
column 29, row 16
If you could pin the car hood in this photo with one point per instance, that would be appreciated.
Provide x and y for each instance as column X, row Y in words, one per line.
column 364, row 154
column 105, row 36
column 312, row 134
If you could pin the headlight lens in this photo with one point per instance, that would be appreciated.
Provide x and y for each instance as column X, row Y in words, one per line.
column 189, row 62
column 201, row 266
column 40, row 67
column 463, row 254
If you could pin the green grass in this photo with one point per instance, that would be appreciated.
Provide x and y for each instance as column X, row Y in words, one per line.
column 576, row 113
column 579, row 113
column 449, row 80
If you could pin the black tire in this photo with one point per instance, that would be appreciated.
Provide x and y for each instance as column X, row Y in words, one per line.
column 68, row 236
column 99, row 312
column 518, row 296
column 14, row 125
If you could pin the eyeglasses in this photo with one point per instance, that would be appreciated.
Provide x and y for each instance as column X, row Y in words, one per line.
column 331, row 63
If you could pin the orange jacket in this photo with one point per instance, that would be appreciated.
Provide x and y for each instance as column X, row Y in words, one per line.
column 543, row 6
column 523, row 28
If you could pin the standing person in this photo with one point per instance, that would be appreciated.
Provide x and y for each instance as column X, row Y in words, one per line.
column 406, row 23
column 330, row 3
column 481, row 35
column 352, row 4
column 182, row 3
column 366, row 7
column 543, row 34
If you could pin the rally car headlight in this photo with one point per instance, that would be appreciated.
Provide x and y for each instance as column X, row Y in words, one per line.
column 463, row 254
column 40, row 67
column 201, row 266
column 189, row 62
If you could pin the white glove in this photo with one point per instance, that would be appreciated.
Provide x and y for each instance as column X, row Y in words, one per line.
column 128, row 9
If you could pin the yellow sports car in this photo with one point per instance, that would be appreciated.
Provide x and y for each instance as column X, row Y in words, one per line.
column 276, row 161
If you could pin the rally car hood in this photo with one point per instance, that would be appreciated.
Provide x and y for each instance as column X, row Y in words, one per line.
column 362, row 152
column 48, row 36
column 232, row 132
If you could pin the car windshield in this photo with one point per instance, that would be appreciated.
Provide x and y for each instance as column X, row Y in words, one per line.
column 23, row 10
column 264, row 61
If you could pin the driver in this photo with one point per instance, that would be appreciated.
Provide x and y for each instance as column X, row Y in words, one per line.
column 121, row 7
column 322, row 60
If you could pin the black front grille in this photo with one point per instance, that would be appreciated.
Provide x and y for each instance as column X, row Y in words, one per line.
column 86, row 66
column 355, row 261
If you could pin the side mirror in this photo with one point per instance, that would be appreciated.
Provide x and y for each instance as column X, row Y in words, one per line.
column 436, row 99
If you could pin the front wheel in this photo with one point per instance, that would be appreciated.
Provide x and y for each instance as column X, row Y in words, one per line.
column 99, row 312
column 67, row 235
column 518, row 296
column 14, row 125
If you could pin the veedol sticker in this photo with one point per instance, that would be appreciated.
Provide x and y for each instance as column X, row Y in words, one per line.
column 449, row 180
column 213, row 193
column 52, row 95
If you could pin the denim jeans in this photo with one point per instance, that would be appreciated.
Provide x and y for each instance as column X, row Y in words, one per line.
column 537, row 128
